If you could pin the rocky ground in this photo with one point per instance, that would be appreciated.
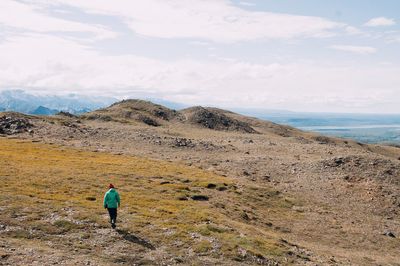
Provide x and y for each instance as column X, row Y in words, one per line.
column 346, row 194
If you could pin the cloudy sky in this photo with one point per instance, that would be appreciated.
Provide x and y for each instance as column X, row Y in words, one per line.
column 301, row 55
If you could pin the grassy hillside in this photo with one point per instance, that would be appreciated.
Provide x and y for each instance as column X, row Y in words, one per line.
column 51, row 205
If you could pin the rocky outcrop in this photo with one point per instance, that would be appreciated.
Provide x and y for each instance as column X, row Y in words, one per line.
column 13, row 125
column 214, row 119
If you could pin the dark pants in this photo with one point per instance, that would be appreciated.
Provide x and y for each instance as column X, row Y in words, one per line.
column 113, row 214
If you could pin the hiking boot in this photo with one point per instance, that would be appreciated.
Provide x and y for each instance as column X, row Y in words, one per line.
column 113, row 225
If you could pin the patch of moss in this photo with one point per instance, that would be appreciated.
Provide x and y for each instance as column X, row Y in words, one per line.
column 20, row 234
column 202, row 246
column 65, row 225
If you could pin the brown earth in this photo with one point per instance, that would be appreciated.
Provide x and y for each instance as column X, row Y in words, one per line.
column 345, row 196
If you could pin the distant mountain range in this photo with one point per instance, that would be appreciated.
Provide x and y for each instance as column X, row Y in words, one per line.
column 21, row 101
column 24, row 102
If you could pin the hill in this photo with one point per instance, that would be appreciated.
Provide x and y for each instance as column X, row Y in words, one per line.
column 134, row 110
column 213, row 118
column 277, row 196
column 155, row 115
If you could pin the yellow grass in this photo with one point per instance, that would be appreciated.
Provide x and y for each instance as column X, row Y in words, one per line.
column 40, row 179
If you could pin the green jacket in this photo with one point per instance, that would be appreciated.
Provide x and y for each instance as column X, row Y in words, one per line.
column 111, row 199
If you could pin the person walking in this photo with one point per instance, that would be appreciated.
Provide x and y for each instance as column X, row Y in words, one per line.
column 111, row 203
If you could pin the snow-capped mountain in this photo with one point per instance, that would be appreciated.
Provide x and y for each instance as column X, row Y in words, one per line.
column 24, row 102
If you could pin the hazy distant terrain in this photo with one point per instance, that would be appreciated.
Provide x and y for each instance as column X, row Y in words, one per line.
column 365, row 128
column 24, row 102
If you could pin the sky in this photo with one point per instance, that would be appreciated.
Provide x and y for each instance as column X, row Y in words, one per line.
column 298, row 55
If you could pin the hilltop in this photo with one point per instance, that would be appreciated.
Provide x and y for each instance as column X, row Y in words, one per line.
column 200, row 186
column 145, row 112
column 156, row 115
column 134, row 110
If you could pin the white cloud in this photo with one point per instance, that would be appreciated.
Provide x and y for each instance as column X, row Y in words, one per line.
column 37, row 52
column 21, row 16
column 243, row 3
column 215, row 20
column 380, row 21
column 353, row 30
column 60, row 65
column 393, row 38
column 355, row 49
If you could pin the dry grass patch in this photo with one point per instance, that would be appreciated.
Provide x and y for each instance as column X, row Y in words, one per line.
column 49, row 190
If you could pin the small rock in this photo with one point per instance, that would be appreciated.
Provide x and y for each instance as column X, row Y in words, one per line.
column 179, row 260
column 182, row 198
column 91, row 198
column 339, row 161
column 199, row 197
column 388, row 172
column 183, row 142
column 211, row 185
column 389, row 233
